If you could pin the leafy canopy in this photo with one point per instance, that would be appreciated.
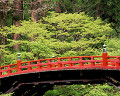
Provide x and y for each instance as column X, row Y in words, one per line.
column 58, row 34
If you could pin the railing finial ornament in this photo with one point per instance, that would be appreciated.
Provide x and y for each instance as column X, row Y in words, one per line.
column 53, row 56
column 18, row 56
column 53, row 60
column 104, row 48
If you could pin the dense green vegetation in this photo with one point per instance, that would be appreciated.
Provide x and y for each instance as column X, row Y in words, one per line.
column 58, row 34
column 7, row 94
column 83, row 90
column 108, row 10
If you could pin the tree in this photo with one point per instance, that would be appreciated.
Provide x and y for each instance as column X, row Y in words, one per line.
column 57, row 8
column 18, row 11
column 58, row 34
column 34, row 12
column 3, row 12
column 41, row 7
column 108, row 10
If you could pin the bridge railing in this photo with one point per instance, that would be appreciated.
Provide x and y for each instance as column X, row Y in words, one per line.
column 62, row 63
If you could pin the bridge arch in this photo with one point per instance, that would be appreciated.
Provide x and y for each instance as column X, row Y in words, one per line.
column 88, row 65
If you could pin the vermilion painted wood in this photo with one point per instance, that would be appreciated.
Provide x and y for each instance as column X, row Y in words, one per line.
column 63, row 63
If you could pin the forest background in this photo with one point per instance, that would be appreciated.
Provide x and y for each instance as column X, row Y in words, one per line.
column 42, row 28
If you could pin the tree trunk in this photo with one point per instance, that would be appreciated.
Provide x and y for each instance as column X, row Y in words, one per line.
column 1, row 26
column 17, row 16
column 34, row 12
column 1, row 19
column 97, row 14
column 57, row 9
column 45, row 10
column 3, row 12
column 3, row 15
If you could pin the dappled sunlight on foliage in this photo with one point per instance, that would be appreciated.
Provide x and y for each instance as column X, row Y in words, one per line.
column 83, row 90
column 58, row 34
column 113, row 46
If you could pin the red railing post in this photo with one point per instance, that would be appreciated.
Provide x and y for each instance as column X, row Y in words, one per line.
column 70, row 64
column 18, row 65
column 59, row 63
column 104, row 56
column 9, row 69
column 0, row 72
column 105, row 63
column 29, row 63
column 38, row 64
column 52, row 65
column 81, row 64
column 118, row 64
column 49, row 63
column 92, row 63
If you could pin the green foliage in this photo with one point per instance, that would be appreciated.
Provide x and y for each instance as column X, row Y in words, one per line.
column 52, row 93
column 106, row 9
column 113, row 46
column 7, row 94
column 78, row 26
column 83, row 90
column 57, row 34
column 78, row 31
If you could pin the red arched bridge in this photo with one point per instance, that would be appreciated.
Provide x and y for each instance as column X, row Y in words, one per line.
column 103, row 62
column 63, row 69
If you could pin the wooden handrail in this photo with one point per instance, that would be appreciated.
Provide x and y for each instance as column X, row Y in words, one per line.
column 61, row 63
